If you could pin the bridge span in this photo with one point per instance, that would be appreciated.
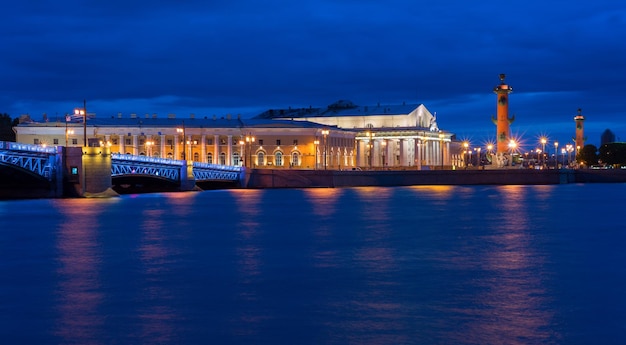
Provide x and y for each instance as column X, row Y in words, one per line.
column 95, row 171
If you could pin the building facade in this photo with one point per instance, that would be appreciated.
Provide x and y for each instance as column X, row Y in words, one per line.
column 341, row 136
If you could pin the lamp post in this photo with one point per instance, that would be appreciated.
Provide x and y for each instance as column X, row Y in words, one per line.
column 315, row 145
column 325, row 132
column 543, row 150
column 512, row 146
column 249, row 140
column 466, row 148
column 478, row 159
column 384, row 148
column 149, row 144
column 83, row 112
column 556, row 155
column 181, row 131
column 569, row 148
column 242, row 153
column 489, row 148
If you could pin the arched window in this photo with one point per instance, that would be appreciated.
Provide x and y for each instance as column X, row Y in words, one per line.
column 196, row 157
column 209, row 158
column 260, row 158
column 295, row 159
column 169, row 155
column 278, row 158
column 236, row 159
column 222, row 158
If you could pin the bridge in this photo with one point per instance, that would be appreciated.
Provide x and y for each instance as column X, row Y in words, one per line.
column 84, row 171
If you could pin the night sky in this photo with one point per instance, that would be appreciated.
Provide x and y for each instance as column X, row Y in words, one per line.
column 245, row 57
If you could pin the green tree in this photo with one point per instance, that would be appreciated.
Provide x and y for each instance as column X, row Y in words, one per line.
column 613, row 153
column 588, row 155
column 6, row 127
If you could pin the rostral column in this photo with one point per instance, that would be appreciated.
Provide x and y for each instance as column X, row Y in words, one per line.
column 502, row 122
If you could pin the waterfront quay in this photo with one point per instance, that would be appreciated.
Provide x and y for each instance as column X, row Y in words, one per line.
column 281, row 178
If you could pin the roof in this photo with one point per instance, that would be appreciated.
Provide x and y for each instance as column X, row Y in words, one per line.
column 339, row 108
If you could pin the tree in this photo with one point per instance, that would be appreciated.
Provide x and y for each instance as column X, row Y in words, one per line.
column 588, row 155
column 6, row 127
column 613, row 153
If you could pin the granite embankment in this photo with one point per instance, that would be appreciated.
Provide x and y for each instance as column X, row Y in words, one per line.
column 293, row 178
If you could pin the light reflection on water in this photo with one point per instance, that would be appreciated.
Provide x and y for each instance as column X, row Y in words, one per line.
column 427, row 264
column 79, row 289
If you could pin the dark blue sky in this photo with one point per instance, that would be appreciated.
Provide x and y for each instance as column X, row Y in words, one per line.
column 244, row 57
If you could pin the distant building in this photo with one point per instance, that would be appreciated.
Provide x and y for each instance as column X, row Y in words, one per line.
column 607, row 137
column 405, row 135
column 340, row 136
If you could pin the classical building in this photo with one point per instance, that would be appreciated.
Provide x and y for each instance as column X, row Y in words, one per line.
column 405, row 135
column 341, row 136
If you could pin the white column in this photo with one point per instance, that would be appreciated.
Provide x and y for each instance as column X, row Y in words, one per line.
column 403, row 158
column 359, row 152
column 229, row 151
column 122, row 142
column 216, row 149
column 135, row 145
column 203, row 148
column 177, row 148
column 418, row 154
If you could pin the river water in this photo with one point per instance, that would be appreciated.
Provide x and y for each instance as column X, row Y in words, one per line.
column 369, row 265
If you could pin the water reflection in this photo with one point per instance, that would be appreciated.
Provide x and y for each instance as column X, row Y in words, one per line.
column 503, row 301
column 248, row 252
column 375, row 314
column 79, row 291
column 323, row 204
column 155, row 249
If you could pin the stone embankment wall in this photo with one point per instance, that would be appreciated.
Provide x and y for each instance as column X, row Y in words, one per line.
column 269, row 178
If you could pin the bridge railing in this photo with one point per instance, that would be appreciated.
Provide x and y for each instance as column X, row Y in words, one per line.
column 232, row 168
column 145, row 159
column 9, row 145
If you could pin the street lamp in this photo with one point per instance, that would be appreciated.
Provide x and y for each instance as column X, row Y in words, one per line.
column 512, row 146
column 466, row 146
column 325, row 132
column 556, row 155
column 384, row 147
column 181, row 131
column 478, row 159
column 83, row 112
column 249, row 140
column 543, row 150
column 149, row 144
column 315, row 144
column 370, row 146
column 569, row 148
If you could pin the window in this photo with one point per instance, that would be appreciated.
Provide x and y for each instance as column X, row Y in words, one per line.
column 55, row 141
column 170, row 142
column 295, row 141
column 260, row 158
column 222, row 141
column 277, row 142
column 74, row 141
column 114, row 141
column 236, row 159
column 260, row 141
column 209, row 141
column 36, row 141
column 278, row 158
column 209, row 158
column 222, row 158
column 128, row 142
column 196, row 157
column 295, row 159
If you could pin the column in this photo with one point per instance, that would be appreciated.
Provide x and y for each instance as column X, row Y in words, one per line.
column 403, row 157
column 162, row 153
column 229, row 150
column 359, row 153
column 177, row 148
column 203, row 148
column 216, row 149
column 135, row 145
column 121, row 142
column 418, row 154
